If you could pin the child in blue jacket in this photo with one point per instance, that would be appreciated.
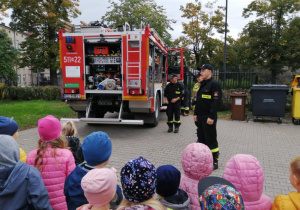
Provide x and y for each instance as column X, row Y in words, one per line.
column 96, row 149
column 21, row 185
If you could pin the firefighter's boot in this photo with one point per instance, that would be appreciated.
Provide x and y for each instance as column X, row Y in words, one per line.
column 177, row 127
column 170, row 127
column 216, row 159
column 182, row 111
column 186, row 112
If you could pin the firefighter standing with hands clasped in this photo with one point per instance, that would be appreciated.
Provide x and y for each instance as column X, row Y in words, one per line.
column 208, row 101
column 173, row 95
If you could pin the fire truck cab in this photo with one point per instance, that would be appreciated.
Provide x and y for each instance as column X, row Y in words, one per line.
column 115, row 70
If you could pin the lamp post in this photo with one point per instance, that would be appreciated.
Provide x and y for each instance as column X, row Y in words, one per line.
column 225, row 47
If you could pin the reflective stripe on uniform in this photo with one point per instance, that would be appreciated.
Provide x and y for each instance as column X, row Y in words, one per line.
column 177, row 92
column 177, row 121
column 206, row 96
column 215, row 150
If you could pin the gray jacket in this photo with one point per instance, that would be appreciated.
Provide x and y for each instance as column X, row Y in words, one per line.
column 179, row 201
column 22, row 187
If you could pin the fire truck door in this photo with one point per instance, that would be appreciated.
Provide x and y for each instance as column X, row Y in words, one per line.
column 73, row 67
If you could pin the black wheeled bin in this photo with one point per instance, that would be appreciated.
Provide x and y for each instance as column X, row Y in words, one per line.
column 269, row 100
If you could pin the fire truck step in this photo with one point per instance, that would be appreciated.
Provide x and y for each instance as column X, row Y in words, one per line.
column 105, row 121
column 69, row 119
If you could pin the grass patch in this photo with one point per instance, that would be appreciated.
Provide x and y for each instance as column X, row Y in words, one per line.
column 224, row 115
column 27, row 113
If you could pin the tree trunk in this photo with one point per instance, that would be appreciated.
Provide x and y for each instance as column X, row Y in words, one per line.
column 273, row 75
column 53, row 77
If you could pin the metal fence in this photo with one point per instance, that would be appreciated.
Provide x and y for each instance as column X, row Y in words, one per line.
column 232, row 80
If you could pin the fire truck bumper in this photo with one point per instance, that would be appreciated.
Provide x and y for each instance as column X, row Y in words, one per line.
column 104, row 121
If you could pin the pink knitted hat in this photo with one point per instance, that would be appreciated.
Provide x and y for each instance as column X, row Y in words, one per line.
column 99, row 186
column 49, row 128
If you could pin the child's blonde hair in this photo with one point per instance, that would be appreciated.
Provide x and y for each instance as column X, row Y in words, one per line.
column 57, row 143
column 69, row 129
column 295, row 166
column 152, row 202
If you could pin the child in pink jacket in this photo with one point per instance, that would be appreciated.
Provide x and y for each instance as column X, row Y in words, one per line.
column 52, row 159
column 197, row 163
column 246, row 174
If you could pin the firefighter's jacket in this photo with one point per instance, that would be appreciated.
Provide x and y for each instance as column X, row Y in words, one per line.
column 209, row 98
column 173, row 90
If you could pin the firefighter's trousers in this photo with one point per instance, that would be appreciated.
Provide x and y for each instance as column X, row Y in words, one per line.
column 207, row 134
column 173, row 109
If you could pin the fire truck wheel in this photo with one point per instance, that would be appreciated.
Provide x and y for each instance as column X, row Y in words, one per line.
column 154, row 117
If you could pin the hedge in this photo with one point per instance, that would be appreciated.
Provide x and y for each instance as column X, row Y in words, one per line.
column 30, row 93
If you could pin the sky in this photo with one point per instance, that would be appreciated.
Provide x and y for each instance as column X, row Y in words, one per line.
column 92, row 10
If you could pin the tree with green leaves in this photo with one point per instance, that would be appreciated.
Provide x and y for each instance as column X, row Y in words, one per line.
column 199, row 31
column 42, row 20
column 8, row 58
column 265, row 40
column 135, row 12
column 3, row 8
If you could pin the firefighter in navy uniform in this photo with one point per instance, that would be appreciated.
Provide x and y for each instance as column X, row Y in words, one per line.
column 208, row 101
column 185, row 107
column 173, row 95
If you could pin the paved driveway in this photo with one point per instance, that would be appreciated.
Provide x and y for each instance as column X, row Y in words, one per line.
column 273, row 144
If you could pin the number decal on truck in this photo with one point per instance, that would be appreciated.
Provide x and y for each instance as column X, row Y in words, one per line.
column 69, row 59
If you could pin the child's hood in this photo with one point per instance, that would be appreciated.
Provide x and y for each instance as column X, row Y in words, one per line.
column 246, row 173
column 15, row 177
column 197, row 161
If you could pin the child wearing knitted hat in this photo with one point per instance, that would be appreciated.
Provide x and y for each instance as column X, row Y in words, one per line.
column 138, row 179
column 52, row 159
column 70, row 132
column 218, row 193
column 292, row 200
column 96, row 149
column 99, row 186
column 21, row 185
column 10, row 127
column 167, row 187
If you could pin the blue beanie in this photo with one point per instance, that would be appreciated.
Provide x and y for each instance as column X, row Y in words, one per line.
column 168, row 180
column 96, row 148
column 8, row 126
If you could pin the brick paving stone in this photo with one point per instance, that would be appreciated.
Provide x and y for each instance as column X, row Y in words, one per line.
column 274, row 145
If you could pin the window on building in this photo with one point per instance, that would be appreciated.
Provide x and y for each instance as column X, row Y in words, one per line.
column 24, row 77
column 19, row 79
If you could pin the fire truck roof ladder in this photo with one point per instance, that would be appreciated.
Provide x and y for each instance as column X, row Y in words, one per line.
column 133, row 79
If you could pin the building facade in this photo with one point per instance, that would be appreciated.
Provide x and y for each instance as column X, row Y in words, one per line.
column 25, row 76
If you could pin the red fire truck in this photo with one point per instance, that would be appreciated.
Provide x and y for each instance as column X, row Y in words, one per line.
column 116, row 70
